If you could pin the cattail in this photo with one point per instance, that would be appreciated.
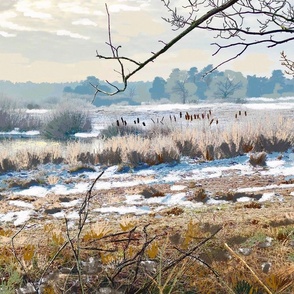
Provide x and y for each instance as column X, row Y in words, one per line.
column 153, row 120
column 175, row 119
column 236, row 115
column 117, row 122
column 125, row 122
column 170, row 117
column 191, row 117
column 209, row 111
column 181, row 114
column 135, row 122
column 202, row 115
column 198, row 116
column 195, row 116
column 138, row 120
column 122, row 120
column 216, row 121
column 239, row 112
column 143, row 123
column 162, row 119
column 207, row 115
column 211, row 122
column 245, row 112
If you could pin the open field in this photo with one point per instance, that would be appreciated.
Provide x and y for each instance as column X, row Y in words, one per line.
column 195, row 207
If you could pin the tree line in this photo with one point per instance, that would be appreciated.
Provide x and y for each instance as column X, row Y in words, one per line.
column 191, row 86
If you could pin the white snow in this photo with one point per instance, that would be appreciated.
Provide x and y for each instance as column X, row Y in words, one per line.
column 177, row 187
column 17, row 217
column 270, row 197
column 124, row 209
column 71, row 203
column 34, row 191
column 20, row 203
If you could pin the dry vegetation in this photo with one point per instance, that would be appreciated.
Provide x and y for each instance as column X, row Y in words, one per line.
column 158, row 144
column 236, row 249
column 240, row 248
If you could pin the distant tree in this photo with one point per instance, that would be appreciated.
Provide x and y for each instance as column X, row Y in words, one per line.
column 228, row 84
column 193, row 75
column 276, row 82
column 277, row 77
column 157, row 90
column 85, row 87
column 257, row 86
column 179, row 88
column 203, row 80
column 132, row 92
column 142, row 93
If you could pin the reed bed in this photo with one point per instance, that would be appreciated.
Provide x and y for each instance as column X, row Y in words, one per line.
column 158, row 143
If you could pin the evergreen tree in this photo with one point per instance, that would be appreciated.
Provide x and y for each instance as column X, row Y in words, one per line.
column 157, row 90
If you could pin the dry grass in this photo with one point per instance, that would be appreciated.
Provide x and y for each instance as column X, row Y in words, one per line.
column 212, row 268
column 161, row 143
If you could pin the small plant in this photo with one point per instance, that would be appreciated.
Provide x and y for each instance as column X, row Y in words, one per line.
column 243, row 287
column 10, row 279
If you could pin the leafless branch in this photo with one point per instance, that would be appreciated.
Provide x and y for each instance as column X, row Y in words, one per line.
column 115, row 54
column 271, row 21
column 289, row 64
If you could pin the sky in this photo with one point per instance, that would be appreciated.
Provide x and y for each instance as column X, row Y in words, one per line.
column 56, row 41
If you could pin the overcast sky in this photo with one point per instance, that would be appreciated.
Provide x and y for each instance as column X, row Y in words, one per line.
column 56, row 41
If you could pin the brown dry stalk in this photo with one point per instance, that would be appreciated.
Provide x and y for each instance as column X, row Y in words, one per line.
column 250, row 269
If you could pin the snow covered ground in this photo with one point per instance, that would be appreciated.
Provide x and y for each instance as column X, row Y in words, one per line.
column 176, row 176
column 21, row 203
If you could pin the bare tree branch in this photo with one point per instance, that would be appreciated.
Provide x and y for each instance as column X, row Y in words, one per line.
column 116, row 56
column 239, row 23
column 289, row 64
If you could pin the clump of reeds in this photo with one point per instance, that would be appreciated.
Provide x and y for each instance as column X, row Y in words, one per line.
column 258, row 158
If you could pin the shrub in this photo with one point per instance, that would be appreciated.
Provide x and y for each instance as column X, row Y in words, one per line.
column 11, row 119
column 33, row 106
column 115, row 131
column 258, row 159
column 66, row 123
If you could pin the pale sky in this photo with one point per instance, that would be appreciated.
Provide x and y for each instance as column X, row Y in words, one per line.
column 56, row 41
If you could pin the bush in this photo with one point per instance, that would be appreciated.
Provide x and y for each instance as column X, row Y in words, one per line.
column 66, row 123
column 33, row 106
column 258, row 159
column 11, row 119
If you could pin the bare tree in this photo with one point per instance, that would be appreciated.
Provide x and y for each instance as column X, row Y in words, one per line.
column 227, row 88
column 226, row 85
column 239, row 23
column 179, row 87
